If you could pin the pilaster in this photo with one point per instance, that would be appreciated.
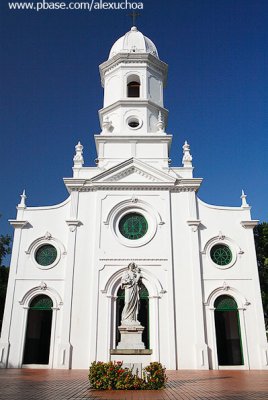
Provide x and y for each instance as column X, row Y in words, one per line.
column 6, row 326
column 201, row 349
column 65, row 346
column 261, row 340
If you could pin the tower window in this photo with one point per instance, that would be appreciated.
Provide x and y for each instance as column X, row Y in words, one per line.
column 133, row 123
column 133, row 89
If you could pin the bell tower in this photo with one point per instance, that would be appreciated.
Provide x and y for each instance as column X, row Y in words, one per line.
column 133, row 117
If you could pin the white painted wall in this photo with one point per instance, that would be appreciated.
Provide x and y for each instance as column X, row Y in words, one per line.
column 133, row 174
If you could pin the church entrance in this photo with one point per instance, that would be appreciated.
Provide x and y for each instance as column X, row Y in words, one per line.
column 143, row 315
column 38, row 331
column 229, row 345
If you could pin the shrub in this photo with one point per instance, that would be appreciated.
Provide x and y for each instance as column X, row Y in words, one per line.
column 155, row 376
column 111, row 375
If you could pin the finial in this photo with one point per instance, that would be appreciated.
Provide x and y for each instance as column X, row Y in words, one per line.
column 134, row 16
column 160, row 123
column 78, row 158
column 22, row 203
column 106, row 125
column 243, row 197
column 187, row 158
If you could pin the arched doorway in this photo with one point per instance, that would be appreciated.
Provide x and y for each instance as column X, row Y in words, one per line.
column 38, row 331
column 143, row 315
column 228, row 337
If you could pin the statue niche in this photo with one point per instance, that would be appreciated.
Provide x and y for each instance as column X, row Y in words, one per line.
column 130, row 328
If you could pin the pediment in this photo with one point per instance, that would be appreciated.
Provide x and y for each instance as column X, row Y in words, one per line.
column 134, row 171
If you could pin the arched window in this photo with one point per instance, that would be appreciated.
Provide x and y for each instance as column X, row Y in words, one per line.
column 229, row 344
column 133, row 89
column 38, row 331
column 143, row 315
column 133, row 86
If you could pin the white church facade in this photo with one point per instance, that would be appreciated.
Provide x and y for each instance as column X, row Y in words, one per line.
column 199, row 294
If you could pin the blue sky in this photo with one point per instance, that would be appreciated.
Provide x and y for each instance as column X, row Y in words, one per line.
column 216, row 94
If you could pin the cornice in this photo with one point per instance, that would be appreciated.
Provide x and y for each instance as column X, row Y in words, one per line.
column 133, row 259
column 131, row 165
column 250, row 224
column 86, row 186
column 131, row 102
column 194, row 224
column 133, row 58
column 18, row 224
column 73, row 224
column 137, row 138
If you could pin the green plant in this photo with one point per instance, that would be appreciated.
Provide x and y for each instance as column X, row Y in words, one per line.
column 155, row 376
column 111, row 375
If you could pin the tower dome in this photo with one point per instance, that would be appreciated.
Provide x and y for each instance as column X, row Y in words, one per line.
column 133, row 42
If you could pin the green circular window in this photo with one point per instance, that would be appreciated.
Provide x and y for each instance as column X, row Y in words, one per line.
column 133, row 226
column 46, row 255
column 221, row 254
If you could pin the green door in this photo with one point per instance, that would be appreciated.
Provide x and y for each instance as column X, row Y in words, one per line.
column 38, row 331
column 229, row 344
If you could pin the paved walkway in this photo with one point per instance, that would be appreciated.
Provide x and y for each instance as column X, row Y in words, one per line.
column 26, row 384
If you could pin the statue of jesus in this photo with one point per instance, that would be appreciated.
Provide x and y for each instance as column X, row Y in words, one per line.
column 130, row 282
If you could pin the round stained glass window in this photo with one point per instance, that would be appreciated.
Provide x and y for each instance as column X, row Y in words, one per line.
column 221, row 254
column 133, row 226
column 46, row 255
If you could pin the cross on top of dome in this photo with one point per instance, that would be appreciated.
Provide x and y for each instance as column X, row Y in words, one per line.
column 134, row 15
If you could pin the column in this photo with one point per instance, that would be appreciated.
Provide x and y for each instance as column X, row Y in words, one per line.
column 200, row 342
column 65, row 347
column 7, row 320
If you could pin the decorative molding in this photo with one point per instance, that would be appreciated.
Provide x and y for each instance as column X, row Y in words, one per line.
column 128, row 167
column 130, row 171
column 148, row 186
column 194, row 224
column 133, row 259
column 73, row 224
column 52, row 293
column 133, row 58
column 239, row 298
column 110, row 179
column 134, row 199
column 43, row 285
column 160, row 123
column 37, row 243
column 249, row 224
column 225, row 287
column 222, row 240
column 221, row 236
column 18, row 224
column 113, row 283
column 48, row 236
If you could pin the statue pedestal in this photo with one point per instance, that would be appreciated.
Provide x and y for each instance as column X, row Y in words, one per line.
column 131, row 337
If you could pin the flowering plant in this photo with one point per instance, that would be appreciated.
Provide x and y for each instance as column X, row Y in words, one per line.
column 111, row 375
column 155, row 376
